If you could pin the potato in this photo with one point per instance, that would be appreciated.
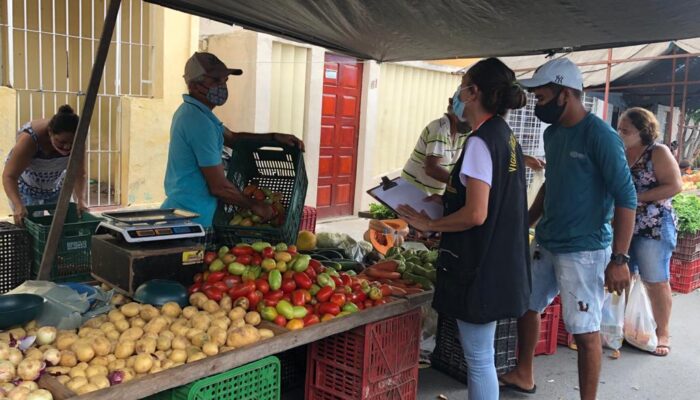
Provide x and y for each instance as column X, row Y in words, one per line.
column 63, row 379
column 178, row 355
column 99, row 361
column 199, row 339
column 95, row 322
column 15, row 356
column 226, row 304
column 210, row 306
column 58, row 370
column 83, row 350
column 18, row 333
column 130, row 309
column 87, row 388
column 179, row 343
column 115, row 315
column 101, row 345
column 63, row 342
column 166, row 364
column 148, row 312
column 82, row 365
column 222, row 323
column 118, row 299
column 243, row 336
column 193, row 332
column 76, row 383
column 171, row 309
column 107, row 326
column 198, row 299
column 201, row 321
column 111, row 357
column 113, row 336
column 167, row 334
column 253, row 318
column 34, row 354
column 217, row 335
column 76, row 372
column 31, row 325
column 100, row 381
column 196, row 357
column 130, row 362
column 155, row 369
column 132, row 334
column 189, row 311
column 236, row 324
column 96, row 371
column 116, row 364
column 164, row 343
column 236, row 313
column 210, row 348
column 224, row 349
column 137, row 322
column 156, row 325
column 125, row 349
column 85, row 332
column 121, row 325
column 32, row 386
column 18, row 393
column 160, row 355
column 68, row 359
column 178, row 329
column 266, row 333
column 143, row 363
column 146, row 345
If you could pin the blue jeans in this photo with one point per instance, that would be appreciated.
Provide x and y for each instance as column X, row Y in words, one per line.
column 477, row 343
column 651, row 257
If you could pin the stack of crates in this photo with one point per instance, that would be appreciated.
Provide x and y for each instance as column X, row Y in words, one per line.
column 685, row 264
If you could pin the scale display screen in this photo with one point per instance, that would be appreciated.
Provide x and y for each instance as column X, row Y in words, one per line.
column 164, row 231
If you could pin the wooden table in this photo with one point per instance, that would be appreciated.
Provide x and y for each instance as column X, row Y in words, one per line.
column 283, row 340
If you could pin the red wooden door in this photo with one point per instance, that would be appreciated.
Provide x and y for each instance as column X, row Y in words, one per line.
column 340, row 120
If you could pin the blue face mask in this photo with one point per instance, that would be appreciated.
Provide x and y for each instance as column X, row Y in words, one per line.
column 458, row 105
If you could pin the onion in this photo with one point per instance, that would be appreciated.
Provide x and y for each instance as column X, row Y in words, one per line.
column 7, row 371
column 26, row 342
column 52, row 356
column 41, row 394
column 46, row 335
column 30, row 370
column 115, row 377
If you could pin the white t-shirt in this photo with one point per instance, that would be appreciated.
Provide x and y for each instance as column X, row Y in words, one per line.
column 477, row 162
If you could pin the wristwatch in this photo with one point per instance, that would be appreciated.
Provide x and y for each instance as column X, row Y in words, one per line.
column 620, row 258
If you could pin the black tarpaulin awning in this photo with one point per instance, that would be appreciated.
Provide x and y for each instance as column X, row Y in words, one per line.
column 396, row 30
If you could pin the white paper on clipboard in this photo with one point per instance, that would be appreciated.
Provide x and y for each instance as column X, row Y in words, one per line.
column 405, row 193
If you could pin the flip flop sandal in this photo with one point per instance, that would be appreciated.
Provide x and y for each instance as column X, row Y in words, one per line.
column 516, row 388
column 661, row 346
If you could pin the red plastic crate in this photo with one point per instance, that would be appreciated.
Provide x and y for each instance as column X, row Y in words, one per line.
column 564, row 338
column 376, row 361
column 685, row 275
column 687, row 247
column 308, row 219
column 548, row 330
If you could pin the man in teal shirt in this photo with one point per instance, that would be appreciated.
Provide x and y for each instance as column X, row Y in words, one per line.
column 195, row 178
column 588, row 184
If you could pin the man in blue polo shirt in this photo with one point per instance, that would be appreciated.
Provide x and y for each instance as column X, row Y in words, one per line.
column 587, row 183
column 195, row 178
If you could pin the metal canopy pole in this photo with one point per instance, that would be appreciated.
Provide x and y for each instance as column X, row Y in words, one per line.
column 78, row 150
column 669, row 123
column 681, row 130
column 607, row 85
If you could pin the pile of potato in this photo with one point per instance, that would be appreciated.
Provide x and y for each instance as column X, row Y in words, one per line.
column 129, row 342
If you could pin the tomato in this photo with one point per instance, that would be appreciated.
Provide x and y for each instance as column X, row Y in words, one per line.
column 346, row 279
column 206, row 286
column 329, row 308
column 210, row 256
column 257, row 260
column 369, row 303
column 244, row 259
column 242, row 251
column 356, row 287
column 197, row 278
column 214, row 294
column 221, row 286
column 337, row 280
column 194, row 288
column 311, row 273
column 311, row 319
column 310, row 309
column 288, row 285
column 375, row 293
column 254, row 298
column 275, row 294
column 270, row 302
column 288, row 274
column 324, row 294
column 241, row 290
column 262, row 285
column 280, row 320
column 231, row 280
column 360, row 305
column 354, row 298
column 381, row 301
column 298, row 298
column 302, row 280
column 327, row 317
column 295, row 324
column 386, row 290
column 268, row 252
column 339, row 299
column 292, row 249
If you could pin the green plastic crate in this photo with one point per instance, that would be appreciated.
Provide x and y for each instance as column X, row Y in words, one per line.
column 272, row 166
column 259, row 380
column 73, row 261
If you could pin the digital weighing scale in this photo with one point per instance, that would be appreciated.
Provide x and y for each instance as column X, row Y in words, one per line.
column 141, row 226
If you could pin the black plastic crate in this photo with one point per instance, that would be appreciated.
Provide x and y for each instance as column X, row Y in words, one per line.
column 272, row 166
column 448, row 356
column 15, row 256
column 293, row 368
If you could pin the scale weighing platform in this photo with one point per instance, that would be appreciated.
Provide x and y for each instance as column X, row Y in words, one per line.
column 141, row 226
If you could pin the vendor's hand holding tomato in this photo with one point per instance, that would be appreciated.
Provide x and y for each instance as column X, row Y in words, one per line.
column 264, row 211
column 419, row 220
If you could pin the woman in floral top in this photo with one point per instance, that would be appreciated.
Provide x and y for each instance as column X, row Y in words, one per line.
column 657, row 178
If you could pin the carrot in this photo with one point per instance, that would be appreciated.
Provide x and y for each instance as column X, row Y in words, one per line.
column 386, row 290
column 413, row 290
column 397, row 291
column 375, row 273
column 388, row 266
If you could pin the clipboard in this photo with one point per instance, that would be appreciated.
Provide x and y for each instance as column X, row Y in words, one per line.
column 397, row 191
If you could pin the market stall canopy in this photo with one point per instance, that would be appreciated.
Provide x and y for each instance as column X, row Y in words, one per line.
column 399, row 30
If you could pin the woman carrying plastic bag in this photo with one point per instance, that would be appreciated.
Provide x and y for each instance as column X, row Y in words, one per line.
column 640, row 327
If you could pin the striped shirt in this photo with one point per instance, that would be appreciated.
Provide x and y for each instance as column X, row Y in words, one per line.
column 435, row 140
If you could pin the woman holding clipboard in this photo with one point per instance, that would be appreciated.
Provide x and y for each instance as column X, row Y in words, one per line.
column 484, row 266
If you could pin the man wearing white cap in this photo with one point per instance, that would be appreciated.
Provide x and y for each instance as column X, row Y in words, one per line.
column 588, row 182
column 194, row 178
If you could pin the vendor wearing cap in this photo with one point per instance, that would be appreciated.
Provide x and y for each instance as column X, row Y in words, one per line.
column 195, row 178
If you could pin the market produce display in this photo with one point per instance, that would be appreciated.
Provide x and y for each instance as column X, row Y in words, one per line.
column 691, row 181
column 285, row 287
column 404, row 271
column 246, row 217
column 128, row 342
column 687, row 209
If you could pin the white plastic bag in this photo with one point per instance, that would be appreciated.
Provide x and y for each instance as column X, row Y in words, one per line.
column 611, row 326
column 640, row 327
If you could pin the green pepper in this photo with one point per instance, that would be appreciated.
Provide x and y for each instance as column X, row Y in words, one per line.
column 286, row 309
column 332, row 272
column 268, row 313
column 351, row 272
column 251, row 274
column 424, row 282
column 275, row 279
column 314, row 289
column 402, row 267
column 432, row 276
column 301, row 263
column 260, row 246
column 281, row 247
column 350, row 307
column 324, row 279
column 299, row 311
